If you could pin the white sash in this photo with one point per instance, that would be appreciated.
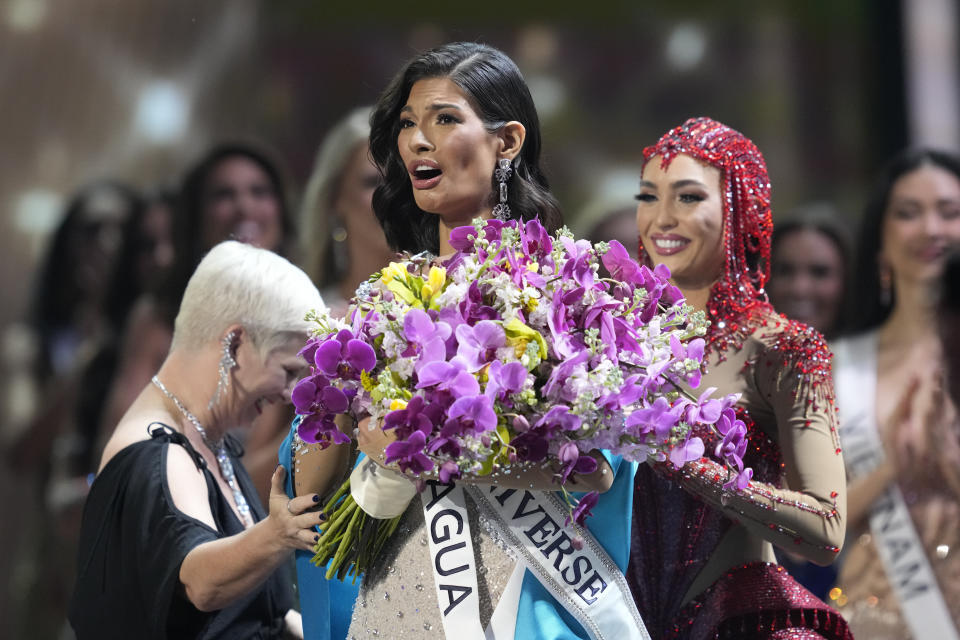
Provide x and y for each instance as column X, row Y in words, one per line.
column 586, row 582
column 898, row 544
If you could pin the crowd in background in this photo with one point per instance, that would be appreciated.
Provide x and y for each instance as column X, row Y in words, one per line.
column 115, row 269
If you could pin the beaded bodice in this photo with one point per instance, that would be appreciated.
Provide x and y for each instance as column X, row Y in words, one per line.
column 681, row 517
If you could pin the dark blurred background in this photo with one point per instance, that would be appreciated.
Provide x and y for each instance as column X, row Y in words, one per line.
column 135, row 91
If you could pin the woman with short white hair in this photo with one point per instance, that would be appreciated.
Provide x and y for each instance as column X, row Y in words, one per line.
column 174, row 541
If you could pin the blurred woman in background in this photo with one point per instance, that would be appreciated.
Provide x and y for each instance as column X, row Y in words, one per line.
column 341, row 242
column 809, row 269
column 235, row 191
column 900, row 576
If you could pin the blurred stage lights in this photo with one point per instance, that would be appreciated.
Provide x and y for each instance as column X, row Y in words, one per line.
column 686, row 46
column 161, row 112
column 37, row 211
column 25, row 15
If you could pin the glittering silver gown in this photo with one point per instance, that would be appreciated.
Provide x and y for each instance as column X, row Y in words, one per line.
column 398, row 598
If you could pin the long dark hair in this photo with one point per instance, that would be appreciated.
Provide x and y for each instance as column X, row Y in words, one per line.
column 56, row 297
column 496, row 91
column 868, row 310
column 188, row 238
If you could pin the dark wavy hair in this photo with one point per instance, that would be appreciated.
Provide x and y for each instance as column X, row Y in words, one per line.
column 868, row 311
column 188, row 238
column 495, row 89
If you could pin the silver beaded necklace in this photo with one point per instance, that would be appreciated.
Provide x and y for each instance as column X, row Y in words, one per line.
column 220, row 451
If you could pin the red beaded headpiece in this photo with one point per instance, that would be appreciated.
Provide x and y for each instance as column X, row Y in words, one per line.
column 748, row 221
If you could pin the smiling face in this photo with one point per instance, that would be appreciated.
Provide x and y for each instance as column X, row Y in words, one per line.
column 921, row 223
column 680, row 219
column 263, row 380
column 807, row 278
column 448, row 153
column 240, row 202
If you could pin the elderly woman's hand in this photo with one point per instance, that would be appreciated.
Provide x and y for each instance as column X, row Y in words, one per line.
column 294, row 518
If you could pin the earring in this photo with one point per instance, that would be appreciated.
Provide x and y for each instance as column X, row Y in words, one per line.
column 340, row 258
column 642, row 257
column 886, row 286
column 501, row 174
column 227, row 363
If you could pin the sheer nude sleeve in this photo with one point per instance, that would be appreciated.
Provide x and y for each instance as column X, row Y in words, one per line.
column 804, row 511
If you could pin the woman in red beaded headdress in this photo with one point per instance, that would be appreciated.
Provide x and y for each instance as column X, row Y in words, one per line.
column 702, row 563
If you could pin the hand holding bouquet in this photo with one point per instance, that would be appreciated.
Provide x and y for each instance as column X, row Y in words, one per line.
column 513, row 352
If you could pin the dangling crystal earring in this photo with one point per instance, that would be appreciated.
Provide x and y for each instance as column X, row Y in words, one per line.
column 227, row 363
column 501, row 174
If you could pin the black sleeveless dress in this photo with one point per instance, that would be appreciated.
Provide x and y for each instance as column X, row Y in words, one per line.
column 133, row 541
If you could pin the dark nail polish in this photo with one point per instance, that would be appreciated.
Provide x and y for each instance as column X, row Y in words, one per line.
column 322, row 515
column 316, row 498
column 316, row 538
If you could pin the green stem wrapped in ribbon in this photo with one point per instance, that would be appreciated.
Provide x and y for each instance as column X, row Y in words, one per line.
column 351, row 537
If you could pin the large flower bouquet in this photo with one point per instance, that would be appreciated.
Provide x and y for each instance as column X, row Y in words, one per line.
column 512, row 353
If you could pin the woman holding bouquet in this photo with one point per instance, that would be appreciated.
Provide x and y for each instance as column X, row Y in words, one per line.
column 453, row 135
column 702, row 563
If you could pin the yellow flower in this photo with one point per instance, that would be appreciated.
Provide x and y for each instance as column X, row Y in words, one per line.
column 398, row 404
column 438, row 275
column 391, row 271
column 397, row 280
column 367, row 382
column 519, row 335
column 435, row 280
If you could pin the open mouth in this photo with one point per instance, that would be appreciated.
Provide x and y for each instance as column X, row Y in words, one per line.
column 425, row 175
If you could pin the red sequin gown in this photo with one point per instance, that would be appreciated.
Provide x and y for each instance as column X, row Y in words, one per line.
column 702, row 564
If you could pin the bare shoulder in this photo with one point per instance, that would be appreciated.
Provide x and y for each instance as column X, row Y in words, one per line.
column 188, row 486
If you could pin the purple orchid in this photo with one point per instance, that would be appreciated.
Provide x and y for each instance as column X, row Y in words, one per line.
column 573, row 462
column 620, row 265
column 739, row 481
column 450, row 376
column 577, row 266
column 476, row 411
column 582, row 511
column 531, row 446
column 420, row 329
column 705, row 410
column 503, row 379
column 553, row 389
column 449, row 471
column 536, row 241
column 416, row 416
column 344, row 356
column 691, row 449
column 659, row 417
column 409, row 455
column 447, row 442
column 734, row 444
column 478, row 344
column 559, row 418
column 318, row 402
